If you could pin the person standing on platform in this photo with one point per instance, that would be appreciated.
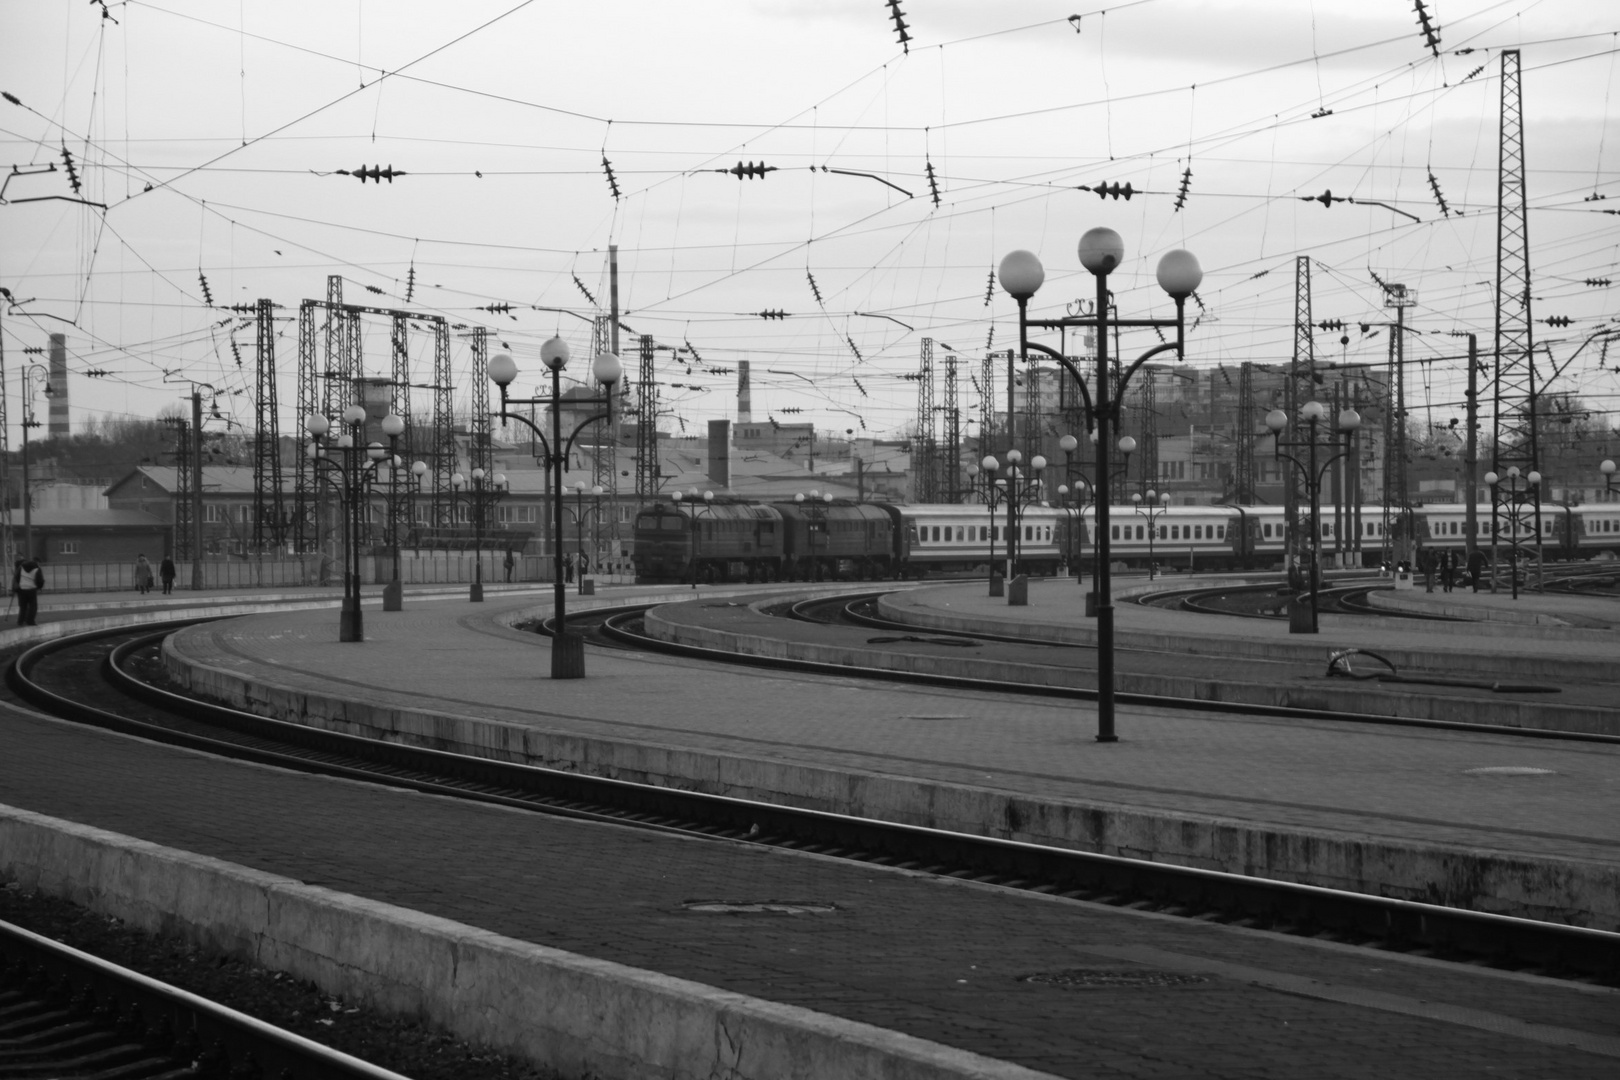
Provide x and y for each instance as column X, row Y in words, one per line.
column 1476, row 568
column 26, row 581
column 166, row 574
column 511, row 563
column 143, row 575
column 1448, row 569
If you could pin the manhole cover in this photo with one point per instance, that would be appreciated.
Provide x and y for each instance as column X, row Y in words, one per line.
column 1509, row 770
column 759, row 907
column 1081, row 978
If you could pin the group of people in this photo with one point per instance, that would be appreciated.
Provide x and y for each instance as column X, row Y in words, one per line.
column 1453, row 568
column 143, row 574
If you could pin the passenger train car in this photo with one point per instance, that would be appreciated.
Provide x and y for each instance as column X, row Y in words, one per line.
column 736, row 541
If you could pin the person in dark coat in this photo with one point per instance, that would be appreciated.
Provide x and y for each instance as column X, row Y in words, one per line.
column 166, row 574
column 1476, row 568
column 26, row 581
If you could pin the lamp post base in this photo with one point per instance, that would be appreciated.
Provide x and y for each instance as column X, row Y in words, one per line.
column 568, row 656
column 476, row 593
column 350, row 625
column 394, row 596
column 997, row 586
column 1301, row 619
column 1091, row 604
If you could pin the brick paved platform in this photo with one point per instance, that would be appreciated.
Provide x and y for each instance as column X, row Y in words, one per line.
column 945, row 962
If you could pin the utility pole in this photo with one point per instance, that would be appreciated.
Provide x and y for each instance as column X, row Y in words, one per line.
column 1471, row 460
column 196, row 491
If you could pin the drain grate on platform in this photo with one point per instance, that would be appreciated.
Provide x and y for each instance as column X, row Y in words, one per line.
column 759, row 907
column 1111, row 978
column 1509, row 770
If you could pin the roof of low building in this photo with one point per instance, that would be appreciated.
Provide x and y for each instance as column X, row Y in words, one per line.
column 92, row 519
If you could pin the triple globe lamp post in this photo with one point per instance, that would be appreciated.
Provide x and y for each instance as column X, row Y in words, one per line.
column 567, row 650
column 1512, row 492
column 1101, row 252
column 1313, row 413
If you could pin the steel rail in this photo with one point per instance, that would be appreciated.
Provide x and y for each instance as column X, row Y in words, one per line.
column 70, row 1013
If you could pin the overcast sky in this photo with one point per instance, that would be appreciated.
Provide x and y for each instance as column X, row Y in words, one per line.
column 212, row 132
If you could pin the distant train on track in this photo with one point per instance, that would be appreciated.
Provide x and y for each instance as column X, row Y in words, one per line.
column 805, row 541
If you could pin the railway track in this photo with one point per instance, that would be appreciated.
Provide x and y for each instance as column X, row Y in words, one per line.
column 56, row 676
column 64, row 1013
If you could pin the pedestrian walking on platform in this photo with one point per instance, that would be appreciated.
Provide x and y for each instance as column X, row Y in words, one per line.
column 26, row 581
column 143, row 575
column 166, row 574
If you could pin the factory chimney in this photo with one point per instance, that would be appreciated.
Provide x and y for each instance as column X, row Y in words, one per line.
column 745, row 399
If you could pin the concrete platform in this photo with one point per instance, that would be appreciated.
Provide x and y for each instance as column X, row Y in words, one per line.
column 1418, row 814
column 580, row 945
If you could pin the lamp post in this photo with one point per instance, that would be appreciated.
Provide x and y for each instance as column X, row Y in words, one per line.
column 1512, row 492
column 1018, row 489
column 579, row 527
column 1101, row 252
column 1607, row 469
column 43, row 374
column 567, row 652
column 477, row 499
column 816, row 506
column 697, row 535
column 1153, row 507
column 393, row 426
column 994, row 490
column 352, row 472
column 1312, row 412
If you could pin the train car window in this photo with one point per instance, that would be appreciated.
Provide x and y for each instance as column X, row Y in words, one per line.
column 1049, row 534
column 1116, row 532
column 1266, row 529
column 1220, row 532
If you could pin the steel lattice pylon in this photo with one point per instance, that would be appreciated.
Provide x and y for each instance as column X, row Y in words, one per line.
column 1515, row 520
column 182, row 492
column 442, row 460
column 1298, row 389
column 953, row 435
column 399, row 401
column 987, row 404
column 646, row 426
column 269, row 511
column 480, row 453
column 1247, row 434
column 924, row 448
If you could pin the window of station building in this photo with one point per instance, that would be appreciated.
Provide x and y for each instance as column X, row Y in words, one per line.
column 68, row 547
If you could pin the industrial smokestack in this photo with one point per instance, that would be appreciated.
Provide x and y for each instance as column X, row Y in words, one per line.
column 745, row 400
column 59, row 386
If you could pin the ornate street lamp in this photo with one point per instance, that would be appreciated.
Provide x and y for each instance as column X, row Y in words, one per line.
column 1313, row 412
column 1152, row 508
column 1512, row 492
column 357, row 462
column 1101, row 252
column 567, row 651
column 699, row 509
